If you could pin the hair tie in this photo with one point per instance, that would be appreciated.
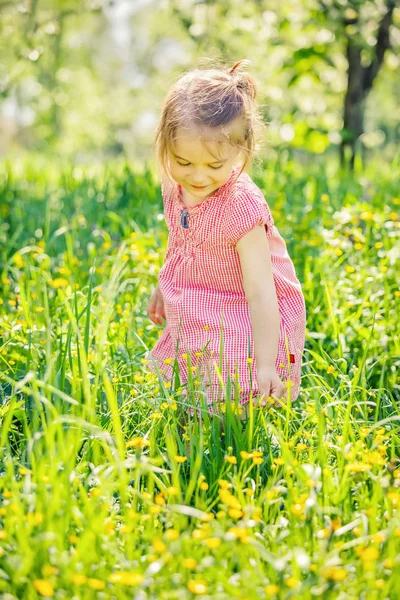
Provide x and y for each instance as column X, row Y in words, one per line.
column 232, row 70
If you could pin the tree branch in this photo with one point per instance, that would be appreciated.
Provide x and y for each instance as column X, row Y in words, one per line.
column 382, row 44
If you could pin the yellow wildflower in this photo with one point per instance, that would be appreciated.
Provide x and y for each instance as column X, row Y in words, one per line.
column 197, row 586
column 271, row 590
column 334, row 573
column 180, row 459
column 291, row 582
column 79, row 579
column 44, row 587
column 301, row 446
column 357, row 467
column 212, row 542
column 95, row 584
column 58, row 282
column 158, row 545
column 189, row 563
column 368, row 554
column 235, row 513
column 138, row 442
column 126, row 578
column 224, row 484
column 171, row 534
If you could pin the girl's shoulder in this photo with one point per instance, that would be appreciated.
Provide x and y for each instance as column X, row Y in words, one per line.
column 244, row 189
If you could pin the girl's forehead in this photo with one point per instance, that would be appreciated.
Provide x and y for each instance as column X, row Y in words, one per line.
column 187, row 141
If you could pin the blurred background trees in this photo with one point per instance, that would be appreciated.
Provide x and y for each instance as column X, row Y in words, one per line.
column 86, row 78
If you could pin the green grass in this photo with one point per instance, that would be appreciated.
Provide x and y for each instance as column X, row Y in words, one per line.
column 100, row 497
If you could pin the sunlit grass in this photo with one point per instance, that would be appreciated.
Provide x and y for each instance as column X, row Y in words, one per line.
column 109, row 487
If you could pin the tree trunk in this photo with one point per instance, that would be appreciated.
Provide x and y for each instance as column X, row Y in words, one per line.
column 359, row 83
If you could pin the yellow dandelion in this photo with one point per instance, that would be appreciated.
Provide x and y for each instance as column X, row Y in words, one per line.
column 257, row 460
column 249, row 361
column 168, row 361
column 158, row 545
column 79, row 579
column 297, row 509
column 212, row 542
column 138, row 442
column 49, row 570
column 291, row 582
column 367, row 216
column 180, row 459
column 189, row 563
column 271, row 590
column 334, row 573
column 231, row 459
column 357, row 467
column 96, row 584
column 44, row 587
column 156, row 415
column 388, row 563
column 224, row 484
column 245, row 455
column 330, row 369
column 368, row 554
column 159, row 499
column 171, row 535
column 197, row 586
column 204, row 486
column 59, row 282
column 126, row 578
column 235, row 513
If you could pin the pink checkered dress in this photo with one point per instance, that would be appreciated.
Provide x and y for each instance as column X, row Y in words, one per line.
column 204, row 298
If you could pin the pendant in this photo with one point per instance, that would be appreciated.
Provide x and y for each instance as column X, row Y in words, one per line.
column 185, row 218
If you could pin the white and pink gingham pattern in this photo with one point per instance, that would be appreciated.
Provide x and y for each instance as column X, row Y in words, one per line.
column 204, row 298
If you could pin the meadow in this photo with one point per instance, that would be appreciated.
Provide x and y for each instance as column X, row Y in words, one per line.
column 101, row 494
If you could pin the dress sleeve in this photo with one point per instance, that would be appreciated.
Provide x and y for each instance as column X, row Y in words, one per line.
column 246, row 211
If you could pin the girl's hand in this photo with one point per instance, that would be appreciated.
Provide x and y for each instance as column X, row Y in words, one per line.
column 156, row 310
column 269, row 384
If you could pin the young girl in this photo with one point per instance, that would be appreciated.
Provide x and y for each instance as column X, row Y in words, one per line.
column 227, row 273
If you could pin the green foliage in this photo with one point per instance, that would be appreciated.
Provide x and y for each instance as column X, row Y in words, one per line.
column 69, row 85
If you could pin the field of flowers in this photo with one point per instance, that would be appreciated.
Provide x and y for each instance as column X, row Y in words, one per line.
column 105, row 490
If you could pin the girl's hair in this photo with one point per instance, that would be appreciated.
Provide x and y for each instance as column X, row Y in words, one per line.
column 211, row 98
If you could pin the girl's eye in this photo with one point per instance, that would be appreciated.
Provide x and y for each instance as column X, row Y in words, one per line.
column 186, row 165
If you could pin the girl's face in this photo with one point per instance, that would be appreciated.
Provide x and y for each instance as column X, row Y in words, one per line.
column 201, row 167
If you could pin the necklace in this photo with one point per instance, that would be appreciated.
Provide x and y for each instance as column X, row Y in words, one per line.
column 185, row 218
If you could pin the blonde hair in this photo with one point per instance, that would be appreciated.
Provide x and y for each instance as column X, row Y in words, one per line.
column 211, row 98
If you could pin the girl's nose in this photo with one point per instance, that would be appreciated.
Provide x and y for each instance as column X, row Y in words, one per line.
column 198, row 178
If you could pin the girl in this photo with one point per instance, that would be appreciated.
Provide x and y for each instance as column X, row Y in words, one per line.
column 227, row 275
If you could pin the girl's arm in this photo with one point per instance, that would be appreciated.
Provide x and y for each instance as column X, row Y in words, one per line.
column 259, row 286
